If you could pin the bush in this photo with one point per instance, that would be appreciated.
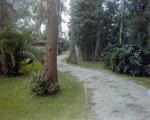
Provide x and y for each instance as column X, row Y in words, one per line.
column 15, row 49
column 108, row 51
column 41, row 83
column 127, row 59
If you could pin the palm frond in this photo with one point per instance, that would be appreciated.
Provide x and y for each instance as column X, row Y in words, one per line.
column 28, row 54
column 13, row 60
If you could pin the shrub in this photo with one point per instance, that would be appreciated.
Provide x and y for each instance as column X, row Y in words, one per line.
column 127, row 59
column 41, row 83
column 15, row 48
column 108, row 51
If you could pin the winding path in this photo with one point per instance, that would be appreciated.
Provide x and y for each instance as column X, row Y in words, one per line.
column 115, row 98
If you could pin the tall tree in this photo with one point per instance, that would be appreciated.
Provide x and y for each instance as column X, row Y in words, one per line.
column 98, row 19
column 121, row 25
column 138, row 21
column 7, row 16
column 89, row 16
column 51, row 46
column 72, row 43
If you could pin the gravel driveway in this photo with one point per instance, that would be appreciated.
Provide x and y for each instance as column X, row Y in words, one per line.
column 115, row 98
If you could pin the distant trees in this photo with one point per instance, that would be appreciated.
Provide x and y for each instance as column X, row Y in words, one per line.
column 138, row 20
column 7, row 14
column 89, row 23
column 100, row 22
column 64, row 45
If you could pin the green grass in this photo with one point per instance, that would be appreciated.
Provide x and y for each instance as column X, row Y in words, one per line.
column 100, row 67
column 16, row 102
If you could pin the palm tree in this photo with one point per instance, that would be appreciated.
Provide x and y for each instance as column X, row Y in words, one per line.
column 7, row 13
column 15, row 49
column 6, row 17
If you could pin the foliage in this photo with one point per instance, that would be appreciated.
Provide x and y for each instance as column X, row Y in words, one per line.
column 108, row 51
column 7, row 13
column 136, row 21
column 41, row 83
column 16, row 47
column 89, row 16
column 63, row 45
column 127, row 59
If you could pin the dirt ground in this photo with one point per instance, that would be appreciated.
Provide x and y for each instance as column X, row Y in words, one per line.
column 115, row 98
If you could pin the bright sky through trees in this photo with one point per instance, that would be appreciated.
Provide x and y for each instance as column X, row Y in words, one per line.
column 65, row 17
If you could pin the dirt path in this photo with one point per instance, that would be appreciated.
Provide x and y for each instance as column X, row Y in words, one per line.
column 115, row 98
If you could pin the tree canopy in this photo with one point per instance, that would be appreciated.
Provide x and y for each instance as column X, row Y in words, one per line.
column 134, row 20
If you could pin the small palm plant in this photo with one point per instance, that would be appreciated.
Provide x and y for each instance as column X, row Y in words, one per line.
column 15, row 49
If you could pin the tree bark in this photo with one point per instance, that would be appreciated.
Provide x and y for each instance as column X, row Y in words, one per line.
column 138, row 32
column 72, row 43
column 51, row 46
column 95, row 57
column 121, row 25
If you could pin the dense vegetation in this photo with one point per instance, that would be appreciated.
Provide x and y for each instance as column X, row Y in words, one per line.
column 16, row 47
column 105, row 19
column 127, row 59
column 64, row 45
column 20, row 28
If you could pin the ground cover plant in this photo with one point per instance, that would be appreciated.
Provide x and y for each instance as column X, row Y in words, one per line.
column 41, row 83
column 127, row 59
column 16, row 102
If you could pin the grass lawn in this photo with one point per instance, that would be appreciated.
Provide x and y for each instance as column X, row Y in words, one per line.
column 100, row 67
column 16, row 102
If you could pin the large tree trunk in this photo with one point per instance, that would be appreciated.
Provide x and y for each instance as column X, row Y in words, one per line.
column 72, row 43
column 51, row 46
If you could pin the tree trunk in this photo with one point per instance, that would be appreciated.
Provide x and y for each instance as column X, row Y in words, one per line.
column 95, row 57
column 120, row 35
column 121, row 25
column 4, row 65
column 138, row 32
column 72, row 43
column 51, row 46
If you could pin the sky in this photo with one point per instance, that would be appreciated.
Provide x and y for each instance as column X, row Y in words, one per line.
column 66, row 17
